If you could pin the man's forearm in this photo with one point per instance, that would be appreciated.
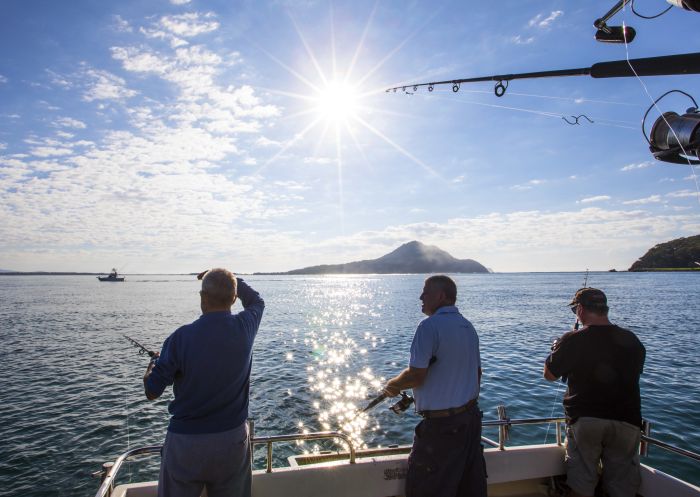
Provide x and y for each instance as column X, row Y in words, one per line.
column 149, row 395
column 408, row 378
column 247, row 295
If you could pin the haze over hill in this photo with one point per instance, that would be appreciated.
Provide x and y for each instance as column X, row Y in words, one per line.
column 412, row 257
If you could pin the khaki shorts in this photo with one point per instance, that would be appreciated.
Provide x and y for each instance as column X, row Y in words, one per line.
column 593, row 443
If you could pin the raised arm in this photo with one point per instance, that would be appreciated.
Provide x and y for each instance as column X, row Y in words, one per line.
column 253, row 305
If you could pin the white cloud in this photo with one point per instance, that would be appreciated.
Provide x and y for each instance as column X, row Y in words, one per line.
column 3, row 79
column 640, row 165
column 691, row 177
column 266, row 142
column 3, row 146
column 190, row 24
column 458, row 179
column 519, row 40
column 683, row 194
column 529, row 185
column 319, row 160
column 67, row 122
column 598, row 198
column 567, row 240
column 652, row 199
column 121, row 25
column 546, row 22
column 105, row 86
column 180, row 2
column 49, row 151
column 292, row 185
column 59, row 80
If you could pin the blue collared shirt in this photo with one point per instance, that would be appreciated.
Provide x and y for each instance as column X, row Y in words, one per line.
column 453, row 378
column 208, row 362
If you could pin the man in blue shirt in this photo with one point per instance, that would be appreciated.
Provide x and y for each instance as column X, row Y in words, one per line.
column 445, row 374
column 209, row 363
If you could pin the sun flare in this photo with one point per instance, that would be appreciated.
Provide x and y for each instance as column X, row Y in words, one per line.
column 337, row 102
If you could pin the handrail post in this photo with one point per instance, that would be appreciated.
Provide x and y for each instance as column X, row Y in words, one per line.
column 251, row 435
column 269, row 456
column 643, row 444
column 503, row 428
column 558, row 426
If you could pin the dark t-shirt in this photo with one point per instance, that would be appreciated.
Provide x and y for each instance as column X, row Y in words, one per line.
column 602, row 365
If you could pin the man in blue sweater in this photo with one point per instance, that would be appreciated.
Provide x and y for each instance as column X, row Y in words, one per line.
column 208, row 362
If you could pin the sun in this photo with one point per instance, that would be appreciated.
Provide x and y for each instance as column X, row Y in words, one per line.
column 337, row 102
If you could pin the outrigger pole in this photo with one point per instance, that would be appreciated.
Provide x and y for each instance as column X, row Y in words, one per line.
column 666, row 65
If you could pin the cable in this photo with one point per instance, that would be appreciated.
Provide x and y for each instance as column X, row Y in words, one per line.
column 650, row 17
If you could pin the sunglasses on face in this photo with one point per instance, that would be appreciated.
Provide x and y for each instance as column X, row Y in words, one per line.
column 574, row 308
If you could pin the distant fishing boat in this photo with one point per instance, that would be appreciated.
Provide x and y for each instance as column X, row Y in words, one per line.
column 113, row 276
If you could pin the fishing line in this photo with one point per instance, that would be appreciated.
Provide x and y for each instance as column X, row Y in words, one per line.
column 560, row 388
column 575, row 100
column 128, row 431
column 653, row 101
column 537, row 112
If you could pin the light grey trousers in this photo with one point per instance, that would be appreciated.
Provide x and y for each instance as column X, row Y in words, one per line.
column 219, row 462
column 595, row 444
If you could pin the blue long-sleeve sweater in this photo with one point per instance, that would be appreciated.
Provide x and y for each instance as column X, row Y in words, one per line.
column 209, row 363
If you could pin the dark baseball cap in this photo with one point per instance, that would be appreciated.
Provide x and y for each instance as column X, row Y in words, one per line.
column 589, row 297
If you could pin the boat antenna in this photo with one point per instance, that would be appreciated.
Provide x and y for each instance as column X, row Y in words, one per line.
column 666, row 65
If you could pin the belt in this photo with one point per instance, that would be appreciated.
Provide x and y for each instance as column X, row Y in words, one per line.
column 443, row 413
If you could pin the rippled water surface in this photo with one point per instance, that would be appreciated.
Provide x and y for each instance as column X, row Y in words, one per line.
column 72, row 398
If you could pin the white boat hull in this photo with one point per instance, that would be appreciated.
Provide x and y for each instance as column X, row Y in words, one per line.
column 522, row 471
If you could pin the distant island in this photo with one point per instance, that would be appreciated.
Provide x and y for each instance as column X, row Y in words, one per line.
column 681, row 254
column 410, row 258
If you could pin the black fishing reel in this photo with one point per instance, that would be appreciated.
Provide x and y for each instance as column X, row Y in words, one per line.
column 403, row 403
column 675, row 138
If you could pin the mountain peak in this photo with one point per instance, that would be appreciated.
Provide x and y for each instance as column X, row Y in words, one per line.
column 413, row 257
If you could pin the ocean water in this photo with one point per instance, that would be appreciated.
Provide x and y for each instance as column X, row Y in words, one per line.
column 72, row 396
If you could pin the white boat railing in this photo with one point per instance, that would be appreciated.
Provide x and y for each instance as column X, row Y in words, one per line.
column 110, row 471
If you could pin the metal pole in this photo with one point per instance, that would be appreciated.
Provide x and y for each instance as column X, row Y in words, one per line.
column 558, row 425
column 269, row 457
column 646, row 431
column 251, row 435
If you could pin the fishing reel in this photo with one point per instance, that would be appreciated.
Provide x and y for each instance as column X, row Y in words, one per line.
column 403, row 403
column 675, row 138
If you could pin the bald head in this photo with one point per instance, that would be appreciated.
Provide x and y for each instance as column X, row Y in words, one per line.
column 218, row 289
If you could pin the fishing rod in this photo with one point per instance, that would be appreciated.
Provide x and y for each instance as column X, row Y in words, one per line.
column 585, row 285
column 667, row 65
column 403, row 403
column 143, row 350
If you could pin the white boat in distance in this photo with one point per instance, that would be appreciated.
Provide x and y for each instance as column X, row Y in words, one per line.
column 113, row 276
column 513, row 471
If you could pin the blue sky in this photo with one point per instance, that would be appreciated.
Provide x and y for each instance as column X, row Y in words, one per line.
column 175, row 135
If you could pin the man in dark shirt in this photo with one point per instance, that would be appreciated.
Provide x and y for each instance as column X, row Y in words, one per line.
column 209, row 363
column 601, row 363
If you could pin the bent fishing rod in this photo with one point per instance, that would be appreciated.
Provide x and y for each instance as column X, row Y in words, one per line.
column 143, row 350
column 667, row 65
